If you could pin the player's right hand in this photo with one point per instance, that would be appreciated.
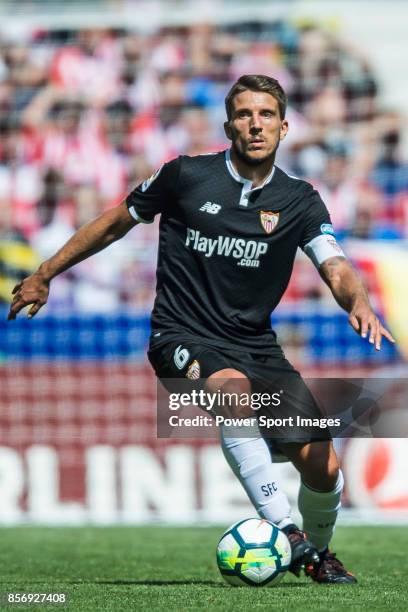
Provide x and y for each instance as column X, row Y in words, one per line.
column 32, row 290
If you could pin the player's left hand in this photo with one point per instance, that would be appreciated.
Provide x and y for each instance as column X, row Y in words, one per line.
column 364, row 321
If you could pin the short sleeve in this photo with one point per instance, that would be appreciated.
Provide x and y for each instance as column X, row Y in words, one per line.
column 318, row 240
column 156, row 194
column 316, row 219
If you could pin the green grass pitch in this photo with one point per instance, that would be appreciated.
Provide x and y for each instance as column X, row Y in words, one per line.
column 164, row 568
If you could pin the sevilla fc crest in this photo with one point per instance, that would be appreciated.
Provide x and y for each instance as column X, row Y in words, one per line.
column 269, row 220
column 193, row 371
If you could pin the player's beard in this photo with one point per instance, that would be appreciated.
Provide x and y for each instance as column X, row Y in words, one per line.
column 257, row 161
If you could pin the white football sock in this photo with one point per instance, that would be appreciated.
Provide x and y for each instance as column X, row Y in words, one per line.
column 251, row 461
column 319, row 511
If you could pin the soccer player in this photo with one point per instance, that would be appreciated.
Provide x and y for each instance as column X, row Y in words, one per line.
column 231, row 223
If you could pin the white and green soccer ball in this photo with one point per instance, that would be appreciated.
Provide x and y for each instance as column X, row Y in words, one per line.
column 253, row 552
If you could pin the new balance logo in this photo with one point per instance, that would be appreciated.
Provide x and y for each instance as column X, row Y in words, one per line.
column 211, row 208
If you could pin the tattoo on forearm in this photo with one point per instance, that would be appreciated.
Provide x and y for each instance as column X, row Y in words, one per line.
column 331, row 267
column 344, row 282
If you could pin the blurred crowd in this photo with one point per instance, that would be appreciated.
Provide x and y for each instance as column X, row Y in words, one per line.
column 86, row 115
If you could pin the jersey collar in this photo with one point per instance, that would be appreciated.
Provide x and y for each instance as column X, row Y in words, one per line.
column 247, row 184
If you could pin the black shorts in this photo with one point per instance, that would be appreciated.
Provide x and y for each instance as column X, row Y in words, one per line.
column 291, row 415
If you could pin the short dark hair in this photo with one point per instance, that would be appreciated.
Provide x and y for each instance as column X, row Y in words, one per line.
column 257, row 82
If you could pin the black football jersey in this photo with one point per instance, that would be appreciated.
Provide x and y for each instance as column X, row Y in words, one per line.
column 226, row 250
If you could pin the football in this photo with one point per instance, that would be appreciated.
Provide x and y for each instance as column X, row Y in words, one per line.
column 253, row 552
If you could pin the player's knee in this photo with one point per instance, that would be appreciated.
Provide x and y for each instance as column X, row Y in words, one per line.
column 234, row 388
column 229, row 380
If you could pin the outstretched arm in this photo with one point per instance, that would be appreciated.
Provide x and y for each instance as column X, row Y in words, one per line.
column 350, row 293
column 88, row 240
